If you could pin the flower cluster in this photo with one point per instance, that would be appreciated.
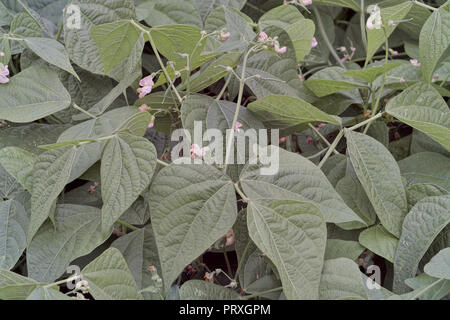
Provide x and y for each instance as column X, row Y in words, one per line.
column 146, row 86
column 267, row 42
column 197, row 152
column 4, row 73
column 224, row 36
column 374, row 21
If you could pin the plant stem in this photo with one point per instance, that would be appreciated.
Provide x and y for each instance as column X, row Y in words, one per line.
column 331, row 149
column 83, row 111
column 242, row 257
column 322, row 137
column 227, row 82
column 164, row 164
column 240, row 192
column 362, row 22
column 129, row 226
column 424, row 5
column 238, row 107
column 54, row 284
column 325, row 37
column 263, row 292
column 426, row 289
column 362, row 124
column 60, row 30
column 227, row 261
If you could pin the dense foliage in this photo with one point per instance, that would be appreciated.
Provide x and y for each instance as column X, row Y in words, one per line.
column 98, row 200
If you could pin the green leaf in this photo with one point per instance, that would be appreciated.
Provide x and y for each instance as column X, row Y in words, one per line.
column 128, row 164
column 19, row 163
column 162, row 12
column 289, row 231
column 51, row 173
column 115, row 41
column 379, row 241
column 202, row 290
column 297, row 178
column 376, row 37
column 192, row 206
column 44, row 293
column 13, row 236
column 213, row 72
column 77, row 231
column 418, row 191
column 32, row 94
column 372, row 73
column 423, row 108
column 139, row 250
column 439, row 266
column 110, row 278
column 337, row 248
column 355, row 197
column 284, row 112
column 23, row 25
column 352, row 4
column 82, row 48
column 380, row 177
column 426, row 167
column 434, row 41
column 332, row 80
column 421, row 226
column 341, row 280
column 427, row 288
column 14, row 286
column 51, row 51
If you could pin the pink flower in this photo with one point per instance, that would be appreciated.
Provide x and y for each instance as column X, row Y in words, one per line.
column 224, row 36
column 314, row 42
column 301, row 78
column 238, row 126
column 306, row 2
column 209, row 276
column 147, row 82
column 2, row 54
column 283, row 140
column 230, row 237
column 4, row 73
column 143, row 108
column 151, row 125
column 144, row 91
column 263, row 37
column 415, row 63
column 345, row 58
column 310, row 141
column 197, row 152
column 280, row 50
column 320, row 126
column 393, row 52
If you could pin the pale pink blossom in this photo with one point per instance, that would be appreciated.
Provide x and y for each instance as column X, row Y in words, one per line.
column 393, row 52
column 281, row 50
column 224, row 36
column 151, row 125
column 238, row 126
column 144, row 91
column 306, row 2
column 197, row 152
column 314, row 42
column 414, row 62
column 2, row 54
column 209, row 276
column 4, row 73
column 435, row 77
column 283, row 140
column 345, row 58
column 263, row 37
column 320, row 126
column 147, row 82
column 230, row 237
column 144, row 108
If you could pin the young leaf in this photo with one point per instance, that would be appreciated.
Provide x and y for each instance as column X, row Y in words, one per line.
column 76, row 233
column 163, row 12
column 278, row 111
column 380, row 177
column 423, row 108
column 110, row 278
column 115, row 41
column 421, row 226
column 192, row 207
column 44, row 293
column 370, row 74
column 32, row 94
column 53, row 52
column 289, row 231
column 418, row 191
column 128, row 164
column 51, row 173
column 379, row 241
column 202, row 290
column 439, row 266
column 337, row 248
column 13, row 233
column 434, row 41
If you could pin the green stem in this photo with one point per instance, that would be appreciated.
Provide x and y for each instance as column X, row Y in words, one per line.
column 242, row 258
column 331, row 149
column 238, row 107
column 322, row 137
column 263, row 292
column 227, row 261
column 425, row 5
column 60, row 30
column 164, row 164
column 83, row 111
column 129, row 226
column 362, row 124
column 325, row 37
column 240, row 192
column 54, row 284
column 443, row 82
column 227, row 82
